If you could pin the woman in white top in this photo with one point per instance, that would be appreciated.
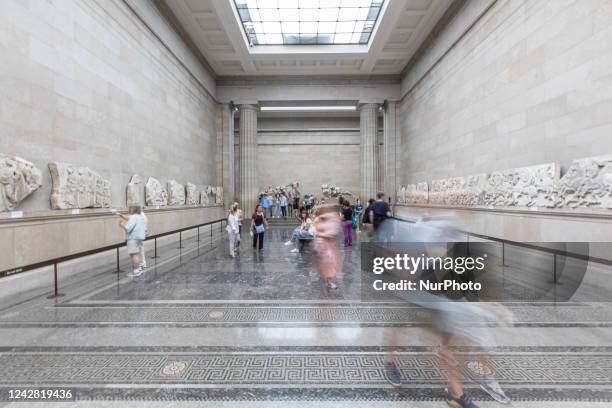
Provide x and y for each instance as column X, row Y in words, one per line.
column 232, row 229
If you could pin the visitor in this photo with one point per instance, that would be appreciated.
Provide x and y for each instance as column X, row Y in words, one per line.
column 283, row 205
column 134, row 226
column 379, row 211
column 358, row 213
column 143, row 261
column 259, row 223
column 326, row 228
column 240, row 219
column 277, row 206
column 346, row 213
column 266, row 203
column 366, row 222
column 233, row 229
column 296, row 207
column 305, row 232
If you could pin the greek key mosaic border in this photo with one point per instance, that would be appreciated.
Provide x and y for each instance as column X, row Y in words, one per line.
column 526, row 316
column 291, row 369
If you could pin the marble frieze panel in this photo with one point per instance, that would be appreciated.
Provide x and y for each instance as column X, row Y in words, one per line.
column 18, row 179
column 586, row 183
column 531, row 186
column 78, row 187
column 155, row 193
column 192, row 195
column 134, row 191
column 415, row 193
column 176, row 193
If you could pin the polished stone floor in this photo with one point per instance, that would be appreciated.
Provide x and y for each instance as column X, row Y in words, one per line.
column 202, row 329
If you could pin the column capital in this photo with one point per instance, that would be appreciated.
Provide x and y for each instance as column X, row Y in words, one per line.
column 370, row 104
column 244, row 105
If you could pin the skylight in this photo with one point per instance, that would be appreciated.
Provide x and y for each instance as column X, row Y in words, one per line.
column 291, row 22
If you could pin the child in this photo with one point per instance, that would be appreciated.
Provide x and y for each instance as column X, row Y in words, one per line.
column 134, row 227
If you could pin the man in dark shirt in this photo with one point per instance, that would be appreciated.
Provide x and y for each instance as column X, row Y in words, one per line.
column 379, row 211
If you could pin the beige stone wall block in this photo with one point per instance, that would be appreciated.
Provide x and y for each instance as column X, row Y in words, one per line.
column 37, row 242
column 7, row 248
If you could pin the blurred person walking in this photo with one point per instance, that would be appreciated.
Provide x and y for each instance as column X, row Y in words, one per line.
column 327, row 227
column 347, row 222
column 379, row 211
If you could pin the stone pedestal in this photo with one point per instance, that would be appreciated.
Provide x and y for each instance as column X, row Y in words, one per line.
column 368, row 113
column 248, row 158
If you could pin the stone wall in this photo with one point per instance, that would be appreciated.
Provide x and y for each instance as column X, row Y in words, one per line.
column 311, row 150
column 528, row 84
column 87, row 83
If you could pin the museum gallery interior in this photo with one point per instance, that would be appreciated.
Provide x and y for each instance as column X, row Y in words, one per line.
column 198, row 200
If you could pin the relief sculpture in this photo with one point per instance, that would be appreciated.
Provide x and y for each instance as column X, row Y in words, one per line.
column 155, row 193
column 587, row 183
column 176, row 193
column 78, row 187
column 134, row 191
column 18, row 179
column 531, row 186
column 192, row 194
column 415, row 193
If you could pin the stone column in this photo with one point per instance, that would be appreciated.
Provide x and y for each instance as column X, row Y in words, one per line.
column 368, row 113
column 228, row 163
column 248, row 157
column 390, row 145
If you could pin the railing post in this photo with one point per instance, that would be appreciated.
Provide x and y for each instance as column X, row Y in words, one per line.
column 155, row 243
column 118, row 270
column 503, row 255
column 198, row 240
column 56, row 293
column 555, row 268
column 211, row 233
column 180, row 240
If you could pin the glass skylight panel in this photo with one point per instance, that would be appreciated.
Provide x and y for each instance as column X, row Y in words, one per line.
column 278, row 22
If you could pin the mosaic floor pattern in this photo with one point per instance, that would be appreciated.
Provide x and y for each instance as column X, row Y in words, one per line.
column 199, row 326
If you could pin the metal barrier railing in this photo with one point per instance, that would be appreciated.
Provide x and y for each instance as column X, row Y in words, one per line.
column 553, row 251
column 56, row 261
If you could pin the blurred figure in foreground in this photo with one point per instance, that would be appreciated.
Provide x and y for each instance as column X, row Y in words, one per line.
column 327, row 227
column 453, row 315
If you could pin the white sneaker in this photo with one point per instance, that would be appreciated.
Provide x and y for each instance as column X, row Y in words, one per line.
column 288, row 243
column 294, row 250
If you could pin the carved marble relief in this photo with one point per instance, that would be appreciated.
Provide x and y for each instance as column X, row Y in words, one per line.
column 155, row 193
column 331, row 191
column 192, row 196
column 134, row 191
column 531, row 186
column 415, row 193
column 78, row 187
column 219, row 195
column 400, row 195
column 18, row 179
column 204, row 197
column 587, row 183
column 176, row 193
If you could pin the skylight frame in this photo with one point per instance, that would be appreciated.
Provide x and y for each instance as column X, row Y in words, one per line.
column 264, row 21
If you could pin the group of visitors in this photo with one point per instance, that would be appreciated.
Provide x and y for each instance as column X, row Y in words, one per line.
column 274, row 205
column 259, row 224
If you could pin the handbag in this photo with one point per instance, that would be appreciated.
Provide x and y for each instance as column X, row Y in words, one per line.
column 260, row 229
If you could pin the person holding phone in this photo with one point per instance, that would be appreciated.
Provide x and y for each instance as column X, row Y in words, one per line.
column 134, row 226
